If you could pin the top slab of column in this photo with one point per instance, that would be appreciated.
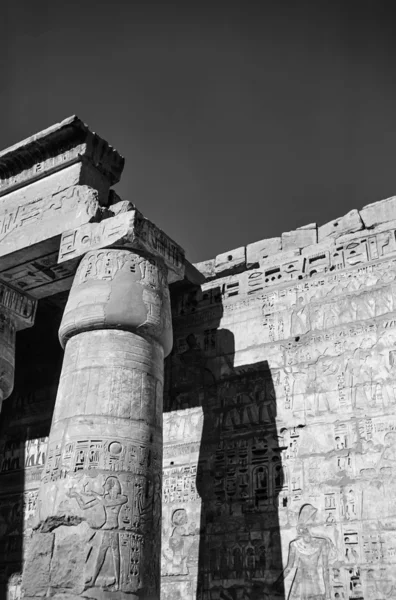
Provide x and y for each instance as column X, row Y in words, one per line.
column 54, row 149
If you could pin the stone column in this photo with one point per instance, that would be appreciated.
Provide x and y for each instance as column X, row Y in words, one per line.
column 17, row 311
column 7, row 355
column 99, row 509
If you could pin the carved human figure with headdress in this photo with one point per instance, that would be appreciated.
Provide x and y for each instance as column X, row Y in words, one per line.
column 309, row 556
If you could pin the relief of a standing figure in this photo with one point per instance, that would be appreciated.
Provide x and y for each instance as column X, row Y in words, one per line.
column 309, row 556
column 112, row 500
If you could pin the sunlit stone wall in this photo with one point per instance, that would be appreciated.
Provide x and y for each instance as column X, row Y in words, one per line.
column 280, row 422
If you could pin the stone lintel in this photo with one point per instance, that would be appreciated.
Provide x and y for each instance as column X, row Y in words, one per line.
column 35, row 219
column 129, row 230
column 52, row 150
column 20, row 307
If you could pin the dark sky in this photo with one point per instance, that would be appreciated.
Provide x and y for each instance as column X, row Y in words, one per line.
column 238, row 120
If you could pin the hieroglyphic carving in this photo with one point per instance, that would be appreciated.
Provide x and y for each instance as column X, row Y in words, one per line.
column 129, row 230
column 92, row 455
column 104, row 265
column 360, row 249
column 21, row 307
column 179, row 484
column 46, row 217
column 35, row 276
column 302, row 318
column 202, row 305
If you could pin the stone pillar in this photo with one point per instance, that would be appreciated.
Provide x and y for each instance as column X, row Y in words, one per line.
column 17, row 311
column 7, row 355
column 98, row 524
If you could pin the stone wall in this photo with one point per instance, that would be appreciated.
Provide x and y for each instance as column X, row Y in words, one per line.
column 280, row 423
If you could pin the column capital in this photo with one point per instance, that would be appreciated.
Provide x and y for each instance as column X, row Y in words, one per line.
column 116, row 288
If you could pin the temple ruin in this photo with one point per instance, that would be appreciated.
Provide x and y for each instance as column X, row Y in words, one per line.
column 218, row 431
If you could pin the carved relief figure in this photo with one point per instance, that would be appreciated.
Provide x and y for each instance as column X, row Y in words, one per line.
column 176, row 554
column 321, row 383
column 35, row 452
column 300, row 318
column 309, row 556
column 11, row 455
column 360, row 376
column 112, row 500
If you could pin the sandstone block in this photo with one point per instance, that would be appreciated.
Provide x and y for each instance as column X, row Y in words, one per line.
column 385, row 226
column 207, row 268
column 36, row 220
column 327, row 244
column 232, row 261
column 280, row 258
column 260, row 250
column 347, row 224
column 129, row 230
column 299, row 238
column 379, row 212
column 282, row 267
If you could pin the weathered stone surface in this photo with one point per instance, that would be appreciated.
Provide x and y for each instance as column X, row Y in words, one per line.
column 327, row 244
column 259, row 251
column 37, row 566
column 232, row 261
column 17, row 311
column 69, row 553
column 20, row 307
column 379, row 212
column 207, row 268
column 349, row 223
column 127, row 229
column 282, row 266
column 299, row 238
column 280, row 407
column 54, row 184
column 42, row 218
column 55, row 149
